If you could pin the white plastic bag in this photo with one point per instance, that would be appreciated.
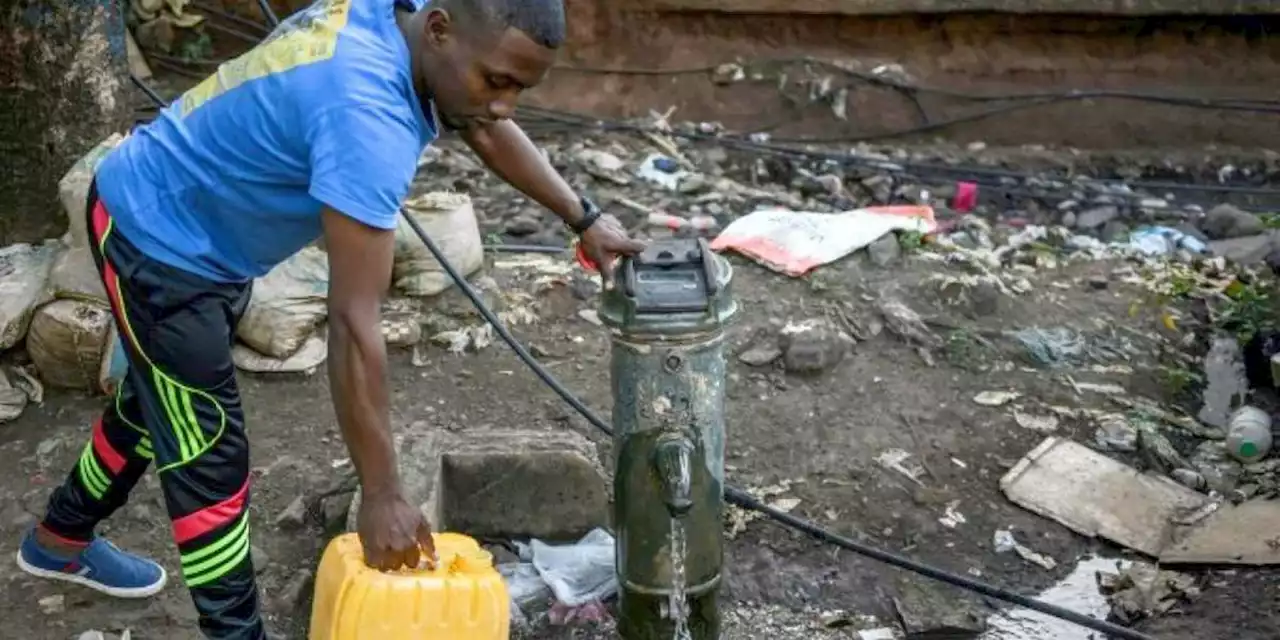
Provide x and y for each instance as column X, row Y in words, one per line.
column 24, row 279
column 450, row 221
column 796, row 242
column 579, row 573
column 287, row 305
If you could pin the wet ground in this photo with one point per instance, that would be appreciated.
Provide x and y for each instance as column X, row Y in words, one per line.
column 810, row 442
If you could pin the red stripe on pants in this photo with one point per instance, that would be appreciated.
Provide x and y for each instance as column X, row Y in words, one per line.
column 114, row 461
column 210, row 518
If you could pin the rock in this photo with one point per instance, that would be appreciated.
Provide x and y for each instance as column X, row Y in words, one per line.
column 523, row 225
column 1245, row 251
column 885, row 251
column 811, row 347
column 1225, row 222
column 53, row 605
column 1096, row 217
column 294, row 516
column 502, row 483
column 334, row 510
column 1114, row 231
column 92, row 634
column 928, row 612
column 760, row 355
column 294, row 594
column 259, row 557
column 1069, row 219
column 831, row 183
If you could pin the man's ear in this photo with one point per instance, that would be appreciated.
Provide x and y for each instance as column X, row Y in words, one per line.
column 438, row 27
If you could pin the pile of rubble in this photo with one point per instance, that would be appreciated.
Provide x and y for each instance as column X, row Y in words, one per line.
column 54, row 304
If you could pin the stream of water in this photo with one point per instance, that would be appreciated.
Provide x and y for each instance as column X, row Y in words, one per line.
column 678, row 606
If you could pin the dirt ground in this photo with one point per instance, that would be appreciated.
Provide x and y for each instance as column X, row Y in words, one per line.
column 816, row 436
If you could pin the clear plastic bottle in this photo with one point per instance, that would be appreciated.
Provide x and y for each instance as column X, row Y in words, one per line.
column 1249, row 434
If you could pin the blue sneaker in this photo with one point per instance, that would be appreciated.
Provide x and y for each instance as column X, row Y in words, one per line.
column 101, row 566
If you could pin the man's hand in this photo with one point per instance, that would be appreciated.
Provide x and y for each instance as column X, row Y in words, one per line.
column 605, row 240
column 394, row 533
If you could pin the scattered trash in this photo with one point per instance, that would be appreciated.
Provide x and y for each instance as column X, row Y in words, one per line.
column 1161, row 241
column 952, row 518
column 1042, row 424
column 1103, row 388
column 895, row 460
column 1249, row 434
column 1005, row 542
column 1052, row 347
column 24, row 274
column 795, row 242
column 662, row 171
column 905, row 323
column 1115, row 433
column 966, row 197
column 1077, row 592
column 1226, row 385
column 450, row 221
column 457, row 341
column 287, row 305
column 575, row 577
column 996, row 398
column 1143, row 590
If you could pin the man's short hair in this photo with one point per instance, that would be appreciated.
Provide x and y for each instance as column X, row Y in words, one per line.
column 541, row 20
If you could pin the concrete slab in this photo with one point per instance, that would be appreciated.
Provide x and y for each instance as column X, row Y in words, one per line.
column 502, row 483
column 1248, row 534
column 1094, row 495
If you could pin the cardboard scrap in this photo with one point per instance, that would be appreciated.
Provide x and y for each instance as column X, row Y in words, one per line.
column 1096, row 496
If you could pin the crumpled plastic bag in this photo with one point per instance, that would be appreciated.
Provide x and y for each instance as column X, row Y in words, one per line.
column 567, row 582
column 796, row 242
column 578, row 573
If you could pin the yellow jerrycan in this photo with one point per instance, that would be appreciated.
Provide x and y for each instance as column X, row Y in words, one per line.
column 463, row 598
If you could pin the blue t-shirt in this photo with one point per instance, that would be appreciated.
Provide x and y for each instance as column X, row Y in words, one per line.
column 229, row 180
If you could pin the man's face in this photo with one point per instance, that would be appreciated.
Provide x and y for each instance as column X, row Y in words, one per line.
column 477, row 77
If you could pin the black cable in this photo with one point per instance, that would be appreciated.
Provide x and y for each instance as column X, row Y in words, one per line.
column 745, row 144
column 271, row 15
column 151, row 93
column 743, row 499
column 230, row 17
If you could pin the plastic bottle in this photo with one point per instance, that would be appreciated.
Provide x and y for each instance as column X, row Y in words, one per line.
column 1249, row 434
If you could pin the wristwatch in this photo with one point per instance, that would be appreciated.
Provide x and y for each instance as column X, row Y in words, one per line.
column 590, row 213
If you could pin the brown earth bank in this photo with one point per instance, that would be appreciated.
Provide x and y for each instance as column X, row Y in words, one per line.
column 955, row 54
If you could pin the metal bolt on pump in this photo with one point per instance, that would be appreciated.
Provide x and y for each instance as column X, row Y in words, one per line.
column 666, row 317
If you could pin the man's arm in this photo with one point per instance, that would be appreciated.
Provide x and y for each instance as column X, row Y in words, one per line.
column 509, row 153
column 360, row 259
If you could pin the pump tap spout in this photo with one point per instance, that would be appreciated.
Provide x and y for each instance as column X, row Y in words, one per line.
column 673, row 460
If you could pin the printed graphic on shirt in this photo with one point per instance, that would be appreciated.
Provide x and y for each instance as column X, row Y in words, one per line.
column 306, row 37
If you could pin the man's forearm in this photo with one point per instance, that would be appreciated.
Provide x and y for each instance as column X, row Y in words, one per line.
column 357, row 380
column 509, row 153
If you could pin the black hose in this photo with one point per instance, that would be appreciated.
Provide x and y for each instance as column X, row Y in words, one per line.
column 271, row 15
column 743, row 499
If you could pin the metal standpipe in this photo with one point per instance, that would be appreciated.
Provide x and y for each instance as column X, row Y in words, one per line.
column 666, row 317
